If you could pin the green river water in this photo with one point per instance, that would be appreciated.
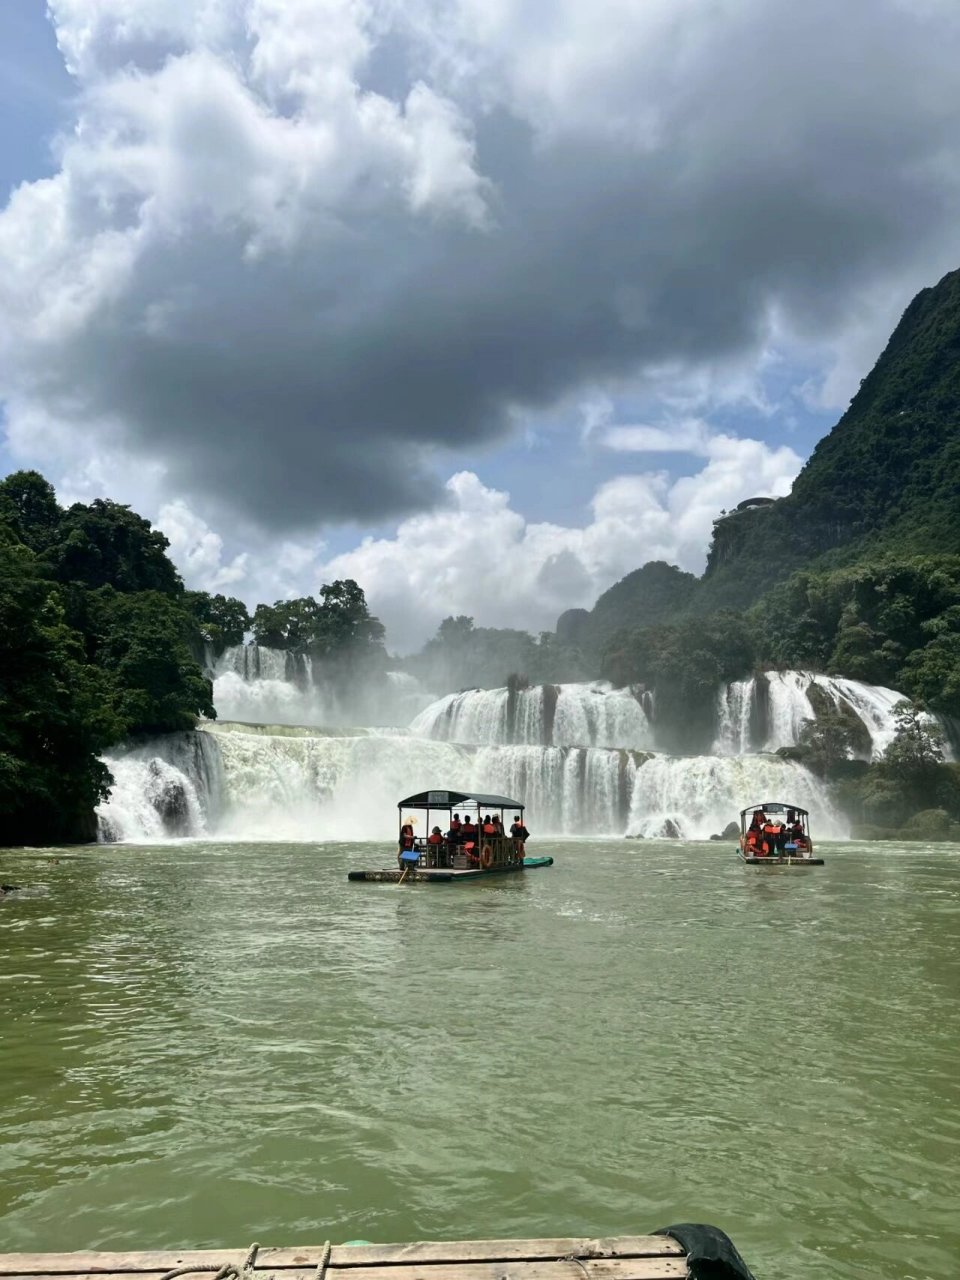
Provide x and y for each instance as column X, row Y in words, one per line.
column 206, row 1044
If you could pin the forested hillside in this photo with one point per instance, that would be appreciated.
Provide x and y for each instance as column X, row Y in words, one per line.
column 100, row 642
column 856, row 572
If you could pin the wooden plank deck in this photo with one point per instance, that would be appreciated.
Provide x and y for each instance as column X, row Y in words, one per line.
column 444, row 875
column 617, row 1258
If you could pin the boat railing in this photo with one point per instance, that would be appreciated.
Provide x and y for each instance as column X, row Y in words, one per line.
column 455, row 855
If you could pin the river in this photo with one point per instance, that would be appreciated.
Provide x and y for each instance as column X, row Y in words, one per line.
column 206, row 1044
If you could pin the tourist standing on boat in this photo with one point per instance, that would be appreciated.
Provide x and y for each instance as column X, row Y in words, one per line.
column 520, row 836
column 406, row 843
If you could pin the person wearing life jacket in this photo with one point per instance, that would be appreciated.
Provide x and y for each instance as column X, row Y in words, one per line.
column 520, row 836
column 406, row 843
column 456, row 824
column 435, row 841
column 469, row 837
column 488, row 828
column 769, row 838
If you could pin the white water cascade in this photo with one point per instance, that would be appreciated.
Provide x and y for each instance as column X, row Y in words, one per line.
column 285, row 763
column 257, row 685
column 689, row 797
column 564, row 715
column 173, row 787
column 768, row 713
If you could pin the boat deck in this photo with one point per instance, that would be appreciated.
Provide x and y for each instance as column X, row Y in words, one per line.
column 785, row 861
column 444, row 875
column 620, row 1258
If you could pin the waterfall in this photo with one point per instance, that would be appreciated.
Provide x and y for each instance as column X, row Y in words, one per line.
column 565, row 715
column 788, row 704
column 734, row 708
column 287, row 762
column 172, row 787
column 287, row 783
column 257, row 685
column 697, row 796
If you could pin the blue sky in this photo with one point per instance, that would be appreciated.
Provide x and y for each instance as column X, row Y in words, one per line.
column 480, row 311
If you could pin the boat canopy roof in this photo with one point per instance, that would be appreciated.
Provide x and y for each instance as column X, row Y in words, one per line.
column 451, row 799
column 774, row 806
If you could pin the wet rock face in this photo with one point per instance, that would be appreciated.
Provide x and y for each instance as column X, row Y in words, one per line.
column 169, row 798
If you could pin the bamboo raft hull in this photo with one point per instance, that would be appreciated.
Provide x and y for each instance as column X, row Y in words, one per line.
column 785, row 861
column 446, row 875
column 624, row 1258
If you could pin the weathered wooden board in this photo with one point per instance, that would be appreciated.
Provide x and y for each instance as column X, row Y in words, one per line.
column 616, row 1258
column 627, row 1269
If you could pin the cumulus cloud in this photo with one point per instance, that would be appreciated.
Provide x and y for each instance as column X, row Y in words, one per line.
column 298, row 252
column 478, row 556
column 197, row 550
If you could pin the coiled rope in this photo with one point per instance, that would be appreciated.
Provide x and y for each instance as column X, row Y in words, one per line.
column 230, row 1271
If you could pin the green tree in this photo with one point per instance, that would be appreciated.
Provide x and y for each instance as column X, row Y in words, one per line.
column 142, row 643
column 344, row 624
column 105, row 544
column 827, row 742
column 55, row 714
column 28, row 505
column 917, row 747
column 222, row 620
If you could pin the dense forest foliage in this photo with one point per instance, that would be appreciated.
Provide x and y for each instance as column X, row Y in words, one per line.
column 99, row 643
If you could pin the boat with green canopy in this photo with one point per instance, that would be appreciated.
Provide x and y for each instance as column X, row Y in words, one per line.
column 450, row 849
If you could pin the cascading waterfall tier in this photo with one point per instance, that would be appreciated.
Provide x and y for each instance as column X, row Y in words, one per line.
column 563, row 715
column 286, row 783
column 254, row 684
column 694, row 797
column 579, row 756
column 769, row 712
column 172, row 787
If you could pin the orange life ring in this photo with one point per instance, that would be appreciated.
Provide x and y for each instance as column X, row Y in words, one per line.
column 486, row 857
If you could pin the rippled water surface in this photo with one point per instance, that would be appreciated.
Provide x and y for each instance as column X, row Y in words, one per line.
column 209, row 1044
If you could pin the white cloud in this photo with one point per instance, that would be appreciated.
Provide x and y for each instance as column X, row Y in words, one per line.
column 197, row 550
column 688, row 436
column 293, row 244
column 482, row 558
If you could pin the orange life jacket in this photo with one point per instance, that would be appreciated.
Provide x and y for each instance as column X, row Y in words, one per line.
column 435, row 838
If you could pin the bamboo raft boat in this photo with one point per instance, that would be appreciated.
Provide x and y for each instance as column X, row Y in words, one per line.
column 653, row 1257
column 440, row 858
